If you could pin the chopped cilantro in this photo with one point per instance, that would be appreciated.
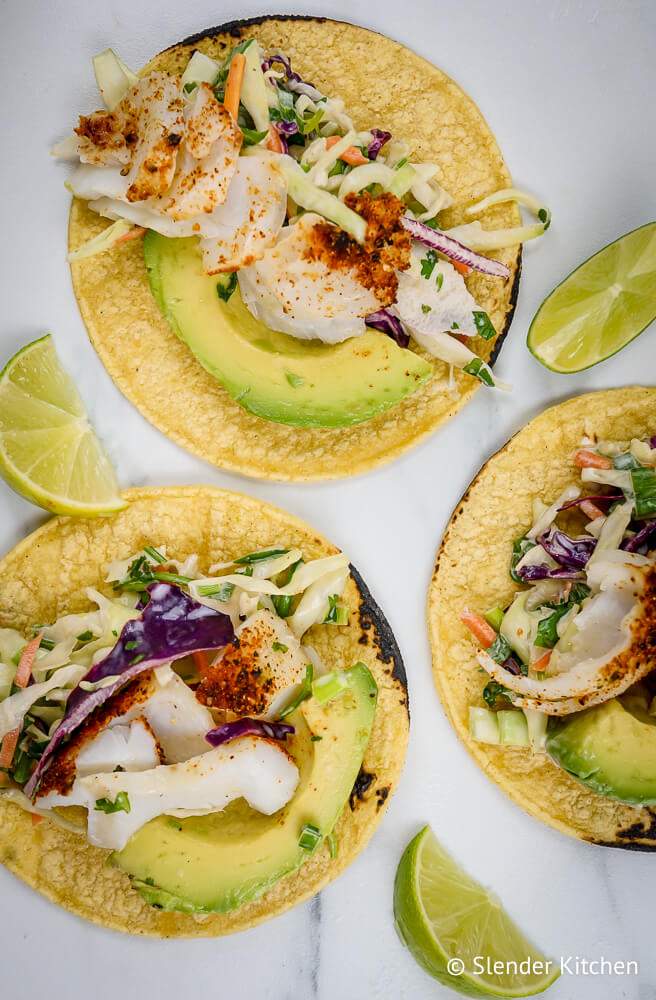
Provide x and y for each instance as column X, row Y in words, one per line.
column 279, row 647
column 479, row 370
column 483, row 325
column 294, row 380
column 428, row 264
column 226, row 285
column 439, row 281
column 120, row 804
column 425, row 308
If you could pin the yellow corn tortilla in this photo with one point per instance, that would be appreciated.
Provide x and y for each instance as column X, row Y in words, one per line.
column 382, row 83
column 46, row 575
column 472, row 572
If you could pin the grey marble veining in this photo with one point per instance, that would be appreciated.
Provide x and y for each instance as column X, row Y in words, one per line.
column 567, row 88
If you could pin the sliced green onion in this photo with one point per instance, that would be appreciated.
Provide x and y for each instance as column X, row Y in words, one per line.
column 283, row 605
column 483, row 725
column 304, row 692
column 330, row 686
column 294, row 380
column 254, row 557
column 644, row 488
column 332, row 845
column 48, row 643
column 171, row 578
column 252, row 137
column 494, row 617
column 279, row 647
column 338, row 613
column 309, row 838
column 221, row 591
column 154, row 554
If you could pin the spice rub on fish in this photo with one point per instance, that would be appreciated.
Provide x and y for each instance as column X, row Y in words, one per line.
column 385, row 251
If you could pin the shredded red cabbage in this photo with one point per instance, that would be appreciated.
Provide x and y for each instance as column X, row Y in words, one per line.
column 294, row 82
column 285, row 128
column 543, row 572
column 248, row 727
column 171, row 625
column 602, row 498
column 572, row 553
column 388, row 323
column 379, row 139
column 640, row 538
column 446, row 245
column 652, row 441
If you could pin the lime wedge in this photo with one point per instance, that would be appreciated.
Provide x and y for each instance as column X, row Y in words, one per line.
column 48, row 451
column 600, row 307
column 458, row 931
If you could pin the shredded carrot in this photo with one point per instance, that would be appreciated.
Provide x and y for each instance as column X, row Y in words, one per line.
column 26, row 662
column 132, row 235
column 351, row 155
column 8, row 748
column 591, row 510
column 273, row 141
column 233, row 84
column 463, row 269
column 36, row 819
column 479, row 628
column 202, row 661
column 591, row 460
column 542, row 664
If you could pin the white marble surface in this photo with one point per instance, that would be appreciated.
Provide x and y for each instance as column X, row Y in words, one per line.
column 568, row 89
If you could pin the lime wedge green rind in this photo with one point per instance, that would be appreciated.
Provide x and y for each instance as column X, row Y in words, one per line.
column 49, row 453
column 441, row 914
column 600, row 307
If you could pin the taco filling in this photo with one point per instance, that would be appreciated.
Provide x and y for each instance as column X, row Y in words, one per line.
column 266, row 212
column 570, row 661
column 168, row 724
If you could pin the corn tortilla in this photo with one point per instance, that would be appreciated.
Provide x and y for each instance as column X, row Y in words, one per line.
column 46, row 575
column 472, row 571
column 158, row 373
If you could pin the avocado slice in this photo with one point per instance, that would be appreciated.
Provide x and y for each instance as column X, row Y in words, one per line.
column 300, row 382
column 216, row 863
column 611, row 748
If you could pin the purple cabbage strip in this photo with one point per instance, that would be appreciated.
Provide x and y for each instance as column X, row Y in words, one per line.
column 171, row 625
column 379, row 139
column 512, row 666
column 607, row 498
column 386, row 322
column 641, row 537
column 248, row 727
column 572, row 553
column 295, row 83
column 652, row 441
column 543, row 572
column 446, row 245
column 286, row 128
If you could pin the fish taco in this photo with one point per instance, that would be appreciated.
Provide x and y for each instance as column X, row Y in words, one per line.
column 202, row 713
column 293, row 279
column 542, row 615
